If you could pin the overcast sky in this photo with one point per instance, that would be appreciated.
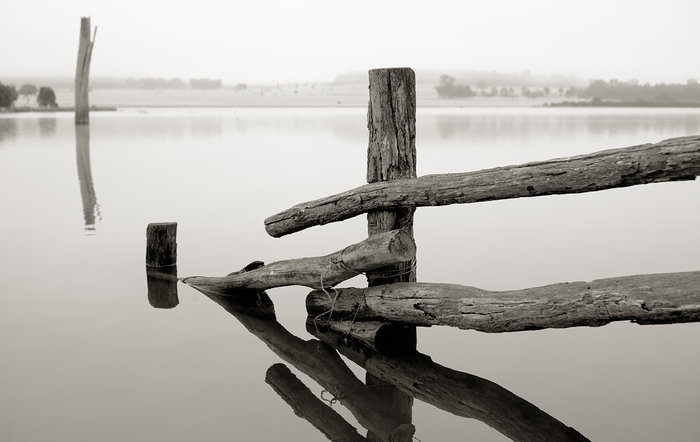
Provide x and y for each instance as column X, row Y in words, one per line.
column 282, row 41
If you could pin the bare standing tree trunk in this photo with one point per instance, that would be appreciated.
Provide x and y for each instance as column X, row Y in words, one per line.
column 82, row 72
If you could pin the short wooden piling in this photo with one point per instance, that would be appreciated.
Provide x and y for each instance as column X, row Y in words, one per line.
column 161, row 268
column 161, row 244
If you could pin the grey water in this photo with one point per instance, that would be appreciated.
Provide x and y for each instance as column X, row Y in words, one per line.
column 85, row 357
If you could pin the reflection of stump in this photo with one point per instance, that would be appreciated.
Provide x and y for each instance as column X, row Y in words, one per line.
column 161, row 271
column 162, row 286
column 87, row 189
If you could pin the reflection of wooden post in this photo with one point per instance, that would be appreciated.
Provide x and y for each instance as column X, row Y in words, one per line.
column 161, row 260
column 87, row 190
column 82, row 72
column 391, row 155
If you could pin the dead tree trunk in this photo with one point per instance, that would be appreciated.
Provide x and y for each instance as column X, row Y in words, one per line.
column 644, row 299
column 317, row 272
column 458, row 393
column 307, row 406
column 82, row 72
column 675, row 159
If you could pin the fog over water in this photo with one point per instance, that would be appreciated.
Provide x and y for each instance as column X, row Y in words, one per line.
column 277, row 41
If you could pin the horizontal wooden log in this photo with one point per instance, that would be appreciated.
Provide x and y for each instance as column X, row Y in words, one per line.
column 644, row 299
column 316, row 272
column 456, row 392
column 670, row 160
column 307, row 406
column 318, row 361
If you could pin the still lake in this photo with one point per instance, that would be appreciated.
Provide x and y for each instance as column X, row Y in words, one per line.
column 84, row 356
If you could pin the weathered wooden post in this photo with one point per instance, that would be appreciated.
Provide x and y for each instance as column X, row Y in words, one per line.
column 82, row 72
column 161, row 264
column 391, row 155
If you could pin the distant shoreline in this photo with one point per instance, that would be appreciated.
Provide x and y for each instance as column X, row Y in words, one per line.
column 621, row 104
column 23, row 109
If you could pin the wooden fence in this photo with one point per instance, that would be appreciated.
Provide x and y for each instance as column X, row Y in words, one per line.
column 394, row 192
column 375, row 326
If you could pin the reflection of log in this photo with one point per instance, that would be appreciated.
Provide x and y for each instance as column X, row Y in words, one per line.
column 318, row 361
column 644, row 299
column 307, row 406
column 459, row 393
column 316, row 272
column 87, row 190
column 82, row 72
column 162, row 286
column 669, row 160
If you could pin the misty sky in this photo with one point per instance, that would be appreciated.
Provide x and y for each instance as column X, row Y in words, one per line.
column 282, row 41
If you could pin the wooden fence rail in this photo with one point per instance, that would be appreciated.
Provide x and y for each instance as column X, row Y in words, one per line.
column 675, row 159
column 644, row 299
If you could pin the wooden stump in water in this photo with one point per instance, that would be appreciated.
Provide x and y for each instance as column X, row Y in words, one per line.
column 161, row 244
column 161, row 260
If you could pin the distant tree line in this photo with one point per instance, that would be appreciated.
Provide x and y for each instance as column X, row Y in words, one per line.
column 150, row 83
column 46, row 97
column 155, row 83
column 448, row 88
column 631, row 91
column 205, row 83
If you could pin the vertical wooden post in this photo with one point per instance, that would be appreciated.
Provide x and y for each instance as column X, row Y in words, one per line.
column 161, row 244
column 391, row 155
column 161, row 268
column 82, row 72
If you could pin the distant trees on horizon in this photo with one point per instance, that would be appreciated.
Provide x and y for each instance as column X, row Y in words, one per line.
column 8, row 95
column 597, row 90
column 631, row 91
column 46, row 97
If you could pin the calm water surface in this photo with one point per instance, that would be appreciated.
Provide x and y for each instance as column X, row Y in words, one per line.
column 86, row 358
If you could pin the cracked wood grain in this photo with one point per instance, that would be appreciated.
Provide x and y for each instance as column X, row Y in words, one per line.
column 315, row 272
column 644, row 299
column 674, row 159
